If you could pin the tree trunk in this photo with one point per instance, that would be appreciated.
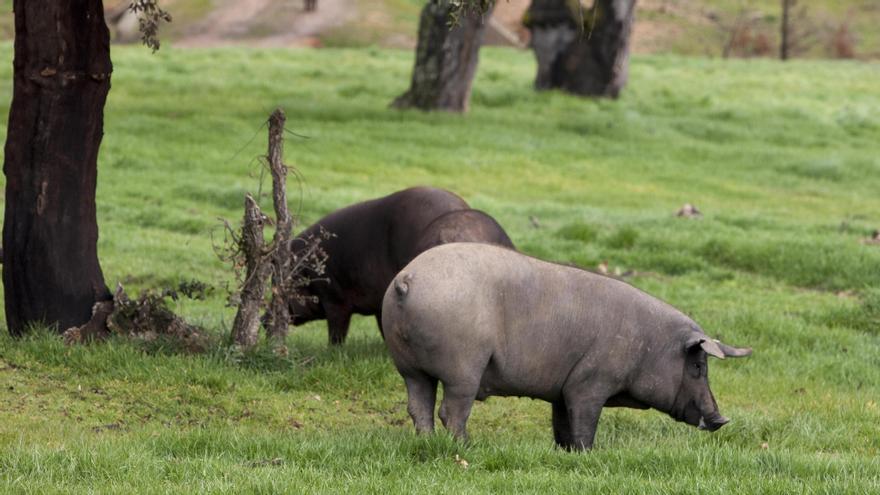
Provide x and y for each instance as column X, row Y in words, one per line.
column 446, row 59
column 279, row 312
column 585, row 52
column 61, row 78
column 784, row 44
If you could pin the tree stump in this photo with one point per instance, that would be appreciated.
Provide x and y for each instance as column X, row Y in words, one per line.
column 246, row 327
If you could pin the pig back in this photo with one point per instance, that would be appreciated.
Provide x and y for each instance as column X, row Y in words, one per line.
column 373, row 239
column 463, row 226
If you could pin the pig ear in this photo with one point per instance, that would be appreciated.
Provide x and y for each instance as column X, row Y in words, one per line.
column 707, row 344
column 730, row 351
column 712, row 348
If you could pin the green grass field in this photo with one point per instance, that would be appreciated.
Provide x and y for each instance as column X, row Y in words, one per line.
column 782, row 160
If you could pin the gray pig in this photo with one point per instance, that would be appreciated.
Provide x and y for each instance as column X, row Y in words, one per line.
column 486, row 321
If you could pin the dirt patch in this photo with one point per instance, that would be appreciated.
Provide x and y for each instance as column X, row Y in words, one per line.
column 267, row 23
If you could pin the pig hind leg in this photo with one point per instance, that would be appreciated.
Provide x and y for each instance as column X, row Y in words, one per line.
column 421, row 390
column 460, row 368
column 458, row 398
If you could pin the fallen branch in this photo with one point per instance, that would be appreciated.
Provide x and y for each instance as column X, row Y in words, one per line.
column 146, row 318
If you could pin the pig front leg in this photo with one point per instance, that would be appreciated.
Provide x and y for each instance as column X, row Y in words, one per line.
column 338, row 320
column 584, row 404
column 379, row 324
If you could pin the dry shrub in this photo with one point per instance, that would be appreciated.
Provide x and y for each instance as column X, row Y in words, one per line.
column 843, row 42
column 761, row 45
column 746, row 40
column 803, row 32
column 744, row 36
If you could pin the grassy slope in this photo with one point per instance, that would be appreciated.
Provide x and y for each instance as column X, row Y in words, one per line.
column 781, row 159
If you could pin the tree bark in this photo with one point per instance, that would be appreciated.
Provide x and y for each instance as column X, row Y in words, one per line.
column 585, row 52
column 246, row 327
column 279, row 312
column 446, row 59
column 61, row 79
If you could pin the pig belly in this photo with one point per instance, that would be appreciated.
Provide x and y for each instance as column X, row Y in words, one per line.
column 496, row 382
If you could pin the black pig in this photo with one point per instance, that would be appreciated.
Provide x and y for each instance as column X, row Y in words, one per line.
column 373, row 240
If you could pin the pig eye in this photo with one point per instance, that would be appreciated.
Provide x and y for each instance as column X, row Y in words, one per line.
column 697, row 369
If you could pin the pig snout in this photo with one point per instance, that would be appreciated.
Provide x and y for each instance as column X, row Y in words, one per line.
column 712, row 422
column 703, row 414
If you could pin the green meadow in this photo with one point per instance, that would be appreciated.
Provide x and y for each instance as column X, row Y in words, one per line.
column 783, row 160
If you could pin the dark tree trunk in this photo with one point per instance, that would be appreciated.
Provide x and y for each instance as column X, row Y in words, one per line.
column 784, row 45
column 584, row 52
column 50, row 232
column 446, row 59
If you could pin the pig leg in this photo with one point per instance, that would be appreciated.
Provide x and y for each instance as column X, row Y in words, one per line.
column 458, row 398
column 421, row 390
column 561, row 427
column 379, row 324
column 338, row 320
column 585, row 404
